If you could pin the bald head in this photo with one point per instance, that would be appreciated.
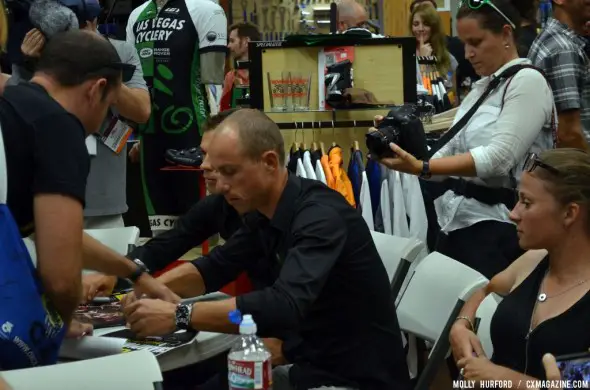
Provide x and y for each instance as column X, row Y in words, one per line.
column 350, row 14
column 255, row 133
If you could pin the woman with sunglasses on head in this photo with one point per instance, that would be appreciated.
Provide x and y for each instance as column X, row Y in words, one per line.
column 481, row 165
column 546, row 292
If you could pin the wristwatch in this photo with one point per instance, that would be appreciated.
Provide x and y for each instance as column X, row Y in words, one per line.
column 140, row 270
column 425, row 174
column 183, row 316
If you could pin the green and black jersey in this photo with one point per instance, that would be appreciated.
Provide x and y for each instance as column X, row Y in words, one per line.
column 170, row 42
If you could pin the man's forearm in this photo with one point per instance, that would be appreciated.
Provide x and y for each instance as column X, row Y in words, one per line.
column 214, row 316
column 4, row 385
column 571, row 138
column 185, row 281
column 98, row 257
column 3, row 79
column 58, row 242
column 134, row 104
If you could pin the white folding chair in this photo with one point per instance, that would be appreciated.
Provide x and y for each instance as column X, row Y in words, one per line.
column 133, row 370
column 121, row 240
column 397, row 254
column 437, row 289
column 484, row 315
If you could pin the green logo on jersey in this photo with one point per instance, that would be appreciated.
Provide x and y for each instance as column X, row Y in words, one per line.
column 152, row 36
column 171, row 114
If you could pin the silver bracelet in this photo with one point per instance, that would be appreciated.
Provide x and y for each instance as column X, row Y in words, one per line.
column 468, row 321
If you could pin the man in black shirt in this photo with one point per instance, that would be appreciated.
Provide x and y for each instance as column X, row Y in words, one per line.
column 330, row 285
column 209, row 216
column 44, row 126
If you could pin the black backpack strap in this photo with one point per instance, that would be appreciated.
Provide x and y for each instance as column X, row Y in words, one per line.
column 507, row 74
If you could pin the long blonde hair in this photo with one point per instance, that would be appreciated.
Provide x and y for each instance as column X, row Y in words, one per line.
column 3, row 26
column 431, row 18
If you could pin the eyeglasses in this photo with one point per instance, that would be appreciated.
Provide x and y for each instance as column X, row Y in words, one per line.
column 127, row 70
column 533, row 161
column 477, row 4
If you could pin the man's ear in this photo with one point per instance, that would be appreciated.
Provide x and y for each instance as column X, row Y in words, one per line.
column 96, row 90
column 270, row 159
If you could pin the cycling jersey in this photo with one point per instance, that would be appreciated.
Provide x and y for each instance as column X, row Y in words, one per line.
column 170, row 42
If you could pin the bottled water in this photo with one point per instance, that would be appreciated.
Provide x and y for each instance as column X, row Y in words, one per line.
column 249, row 365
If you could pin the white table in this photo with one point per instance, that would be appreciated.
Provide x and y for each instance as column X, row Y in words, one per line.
column 206, row 346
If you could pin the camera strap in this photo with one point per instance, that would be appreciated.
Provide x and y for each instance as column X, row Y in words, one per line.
column 496, row 81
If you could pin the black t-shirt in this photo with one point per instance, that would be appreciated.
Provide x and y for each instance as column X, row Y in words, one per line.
column 210, row 215
column 45, row 150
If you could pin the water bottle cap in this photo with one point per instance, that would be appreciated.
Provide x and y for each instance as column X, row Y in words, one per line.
column 248, row 326
column 247, row 319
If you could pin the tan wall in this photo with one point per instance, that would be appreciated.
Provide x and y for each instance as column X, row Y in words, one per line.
column 372, row 65
column 273, row 25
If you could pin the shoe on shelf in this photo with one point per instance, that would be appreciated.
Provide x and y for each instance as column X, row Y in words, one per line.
column 192, row 157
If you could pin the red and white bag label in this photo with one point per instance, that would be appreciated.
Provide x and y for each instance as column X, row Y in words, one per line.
column 249, row 375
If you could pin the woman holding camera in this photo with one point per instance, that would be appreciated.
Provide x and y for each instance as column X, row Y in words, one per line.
column 546, row 292
column 482, row 164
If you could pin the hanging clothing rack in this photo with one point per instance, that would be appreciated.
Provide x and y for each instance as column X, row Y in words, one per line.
column 325, row 124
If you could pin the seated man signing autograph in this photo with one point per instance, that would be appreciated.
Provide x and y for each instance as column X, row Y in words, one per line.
column 330, row 284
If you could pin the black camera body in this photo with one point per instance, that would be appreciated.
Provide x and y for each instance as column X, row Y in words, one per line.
column 403, row 127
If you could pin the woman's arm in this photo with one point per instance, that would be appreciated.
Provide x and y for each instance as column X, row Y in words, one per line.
column 504, row 282
column 517, row 379
column 4, row 385
column 479, row 368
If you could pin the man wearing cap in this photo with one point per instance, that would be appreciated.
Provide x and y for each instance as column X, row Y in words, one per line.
column 43, row 125
column 106, row 186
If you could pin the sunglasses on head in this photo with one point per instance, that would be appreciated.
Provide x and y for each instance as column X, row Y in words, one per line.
column 477, row 4
column 127, row 70
column 533, row 161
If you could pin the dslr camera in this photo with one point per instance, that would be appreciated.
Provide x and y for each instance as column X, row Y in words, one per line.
column 403, row 127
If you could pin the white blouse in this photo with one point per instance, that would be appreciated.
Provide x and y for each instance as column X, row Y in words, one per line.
column 499, row 137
